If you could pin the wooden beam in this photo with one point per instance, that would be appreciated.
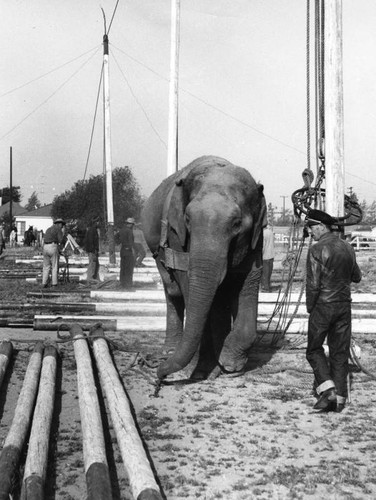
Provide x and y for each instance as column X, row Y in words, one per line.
column 6, row 349
column 15, row 439
column 96, row 468
column 37, row 455
column 141, row 477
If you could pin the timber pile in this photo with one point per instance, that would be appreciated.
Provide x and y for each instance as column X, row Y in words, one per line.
column 144, row 309
column 30, row 269
column 34, row 412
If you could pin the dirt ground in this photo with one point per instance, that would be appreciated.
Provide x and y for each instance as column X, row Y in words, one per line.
column 252, row 437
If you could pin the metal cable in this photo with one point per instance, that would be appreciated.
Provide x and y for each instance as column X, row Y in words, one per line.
column 94, row 120
column 308, row 63
column 113, row 15
column 48, row 73
column 139, row 103
column 49, row 97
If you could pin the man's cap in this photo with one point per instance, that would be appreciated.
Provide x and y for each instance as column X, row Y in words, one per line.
column 61, row 221
column 130, row 220
column 319, row 217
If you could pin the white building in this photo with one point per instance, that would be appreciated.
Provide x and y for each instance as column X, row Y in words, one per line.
column 40, row 219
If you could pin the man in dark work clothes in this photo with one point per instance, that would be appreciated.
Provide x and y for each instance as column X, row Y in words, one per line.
column 91, row 246
column 331, row 268
column 126, row 254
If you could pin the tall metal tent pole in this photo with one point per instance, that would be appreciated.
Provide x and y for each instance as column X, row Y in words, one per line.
column 333, row 107
column 11, row 189
column 172, row 147
column 107, row 153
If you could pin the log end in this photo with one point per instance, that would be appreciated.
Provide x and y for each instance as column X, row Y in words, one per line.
column 149, row 494
column 6, row 348
column 98, row 481
column 33, row 487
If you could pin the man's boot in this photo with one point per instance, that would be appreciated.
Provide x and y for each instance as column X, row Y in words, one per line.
column 327, row 400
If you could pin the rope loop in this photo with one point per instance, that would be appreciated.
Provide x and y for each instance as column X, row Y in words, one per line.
column 308, row 177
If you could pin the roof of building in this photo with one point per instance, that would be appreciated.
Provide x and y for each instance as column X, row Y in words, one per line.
column 16, row 208
column 44, row 211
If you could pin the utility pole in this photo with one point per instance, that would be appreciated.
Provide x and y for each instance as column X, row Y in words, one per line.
column 284, row 207
column 172, row 147
column 11, row 189
column 333, row 107
column 107, row 153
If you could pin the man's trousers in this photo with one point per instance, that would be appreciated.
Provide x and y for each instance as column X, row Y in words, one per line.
column 50, row 262
column 331, row 321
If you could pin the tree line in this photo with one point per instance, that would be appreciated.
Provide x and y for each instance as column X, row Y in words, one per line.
column 86, row 200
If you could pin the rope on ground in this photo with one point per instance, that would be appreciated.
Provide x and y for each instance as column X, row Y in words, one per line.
column 357, row 362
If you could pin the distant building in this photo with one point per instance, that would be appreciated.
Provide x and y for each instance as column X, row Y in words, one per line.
column 40, row 219
column 16, row 209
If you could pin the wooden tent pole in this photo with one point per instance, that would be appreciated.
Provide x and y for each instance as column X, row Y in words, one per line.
column 15, row 439
column 6, row 349
column 333, row 108
column 141, row 477
column 37, row 455
column 172, row 146
column 96, row 467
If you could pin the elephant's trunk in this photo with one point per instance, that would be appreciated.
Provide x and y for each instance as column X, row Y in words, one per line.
column 206, row 272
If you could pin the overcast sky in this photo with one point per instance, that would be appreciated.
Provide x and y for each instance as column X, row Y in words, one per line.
column 242, row 90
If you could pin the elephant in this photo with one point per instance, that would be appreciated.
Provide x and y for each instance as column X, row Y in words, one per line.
column 204, row 226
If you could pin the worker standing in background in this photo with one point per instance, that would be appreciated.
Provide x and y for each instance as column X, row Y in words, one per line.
column 268, row 254
column 53, row 238
column 127, row 254
column 91, row 247
column 139, row 245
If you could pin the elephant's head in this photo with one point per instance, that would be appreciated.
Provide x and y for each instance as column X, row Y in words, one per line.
column 216, row 213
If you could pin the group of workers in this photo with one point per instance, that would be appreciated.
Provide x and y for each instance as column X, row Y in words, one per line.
column 132, row 251
column 331, row 268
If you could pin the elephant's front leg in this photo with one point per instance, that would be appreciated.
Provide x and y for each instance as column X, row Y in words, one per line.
column 217, row 328
column 234, row 354
column 175, row 310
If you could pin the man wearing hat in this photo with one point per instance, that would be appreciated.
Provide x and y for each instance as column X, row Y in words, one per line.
column 126, row 254
column 52, row 239
column 331, row 267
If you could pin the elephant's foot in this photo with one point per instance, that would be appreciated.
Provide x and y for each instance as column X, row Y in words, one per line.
column 230, row 374
column 198, row 375
column 232, row 362
column 168, row 367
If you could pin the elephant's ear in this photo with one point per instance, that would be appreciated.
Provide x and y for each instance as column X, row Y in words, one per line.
column 175, row 212
column 261, row 219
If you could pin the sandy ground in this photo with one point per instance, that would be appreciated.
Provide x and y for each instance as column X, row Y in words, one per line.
column 250, row 437
column 255, row 436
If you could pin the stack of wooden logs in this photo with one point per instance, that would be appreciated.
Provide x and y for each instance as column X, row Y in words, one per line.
column 34, row 413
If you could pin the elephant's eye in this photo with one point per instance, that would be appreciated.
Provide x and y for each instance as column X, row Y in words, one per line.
column 236, row 225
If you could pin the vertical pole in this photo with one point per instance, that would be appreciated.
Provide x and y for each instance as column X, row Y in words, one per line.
column 107, row 153
column 172, row 148
column 334, row 134
column 10, row 190
column 284, row 208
